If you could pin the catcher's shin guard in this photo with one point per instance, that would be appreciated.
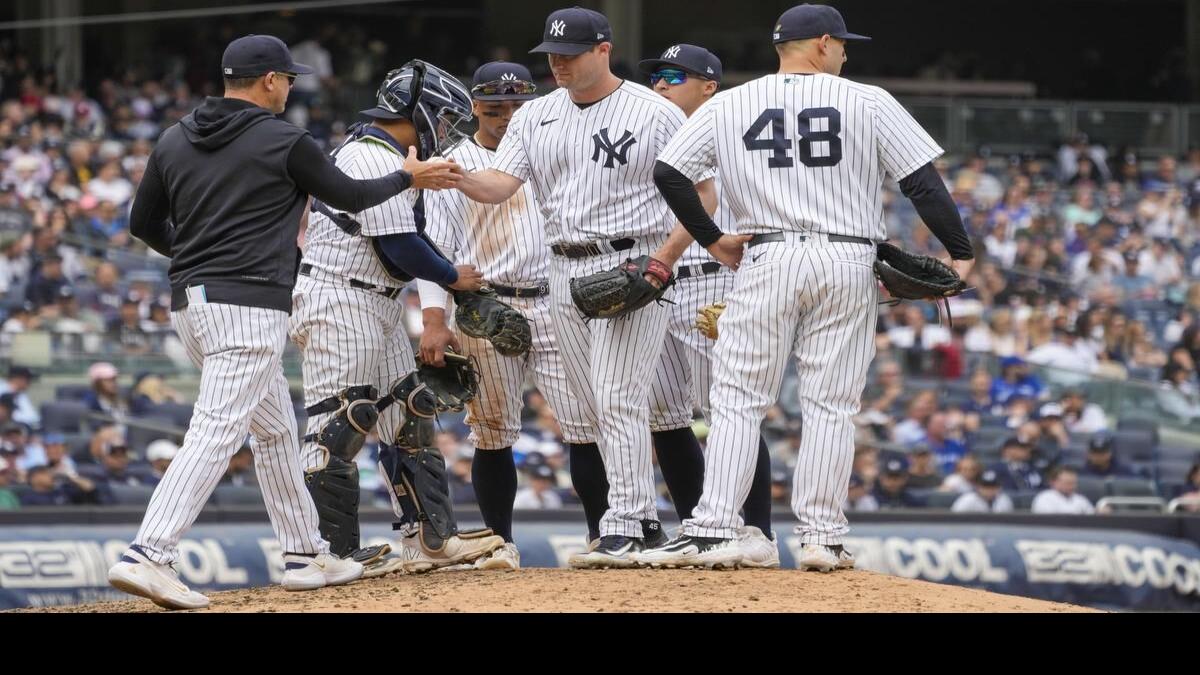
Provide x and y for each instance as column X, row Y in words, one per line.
column 335, row 492
column 420, row 492
column 343, row 435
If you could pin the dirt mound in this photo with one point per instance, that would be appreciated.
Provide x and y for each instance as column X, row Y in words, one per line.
column 558, row 590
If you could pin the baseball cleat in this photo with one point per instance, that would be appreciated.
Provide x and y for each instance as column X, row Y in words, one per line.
column 614, row 550
column 457, row 551
column 137, row 574
column 688, row 551
column 507, row 557
column 845, row 558
column 307, row 573
column 817, row 557
column 757, row 549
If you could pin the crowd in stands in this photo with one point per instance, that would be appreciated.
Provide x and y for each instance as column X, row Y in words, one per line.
column 1088, row 272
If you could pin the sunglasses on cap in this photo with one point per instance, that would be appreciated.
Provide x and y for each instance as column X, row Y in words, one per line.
column 504, row 88
column 671, row 75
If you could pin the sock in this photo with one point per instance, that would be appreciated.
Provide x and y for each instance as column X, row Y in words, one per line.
column 591, row 484
column 757, row 507
column 682, row 464
column 494, row 477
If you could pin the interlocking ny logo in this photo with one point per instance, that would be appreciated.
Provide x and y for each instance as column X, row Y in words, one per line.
column 508, row 76
column 557, row 28
column 671, row 53
column 618, row 151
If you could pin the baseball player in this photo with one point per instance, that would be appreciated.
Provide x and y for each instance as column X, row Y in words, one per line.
column 807, row 151
column 222, row 197
column 507, row 243
column 588, row 150
column 348, row 325
column 688, row 76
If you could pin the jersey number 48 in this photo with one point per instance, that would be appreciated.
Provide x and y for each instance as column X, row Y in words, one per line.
column 814, row 125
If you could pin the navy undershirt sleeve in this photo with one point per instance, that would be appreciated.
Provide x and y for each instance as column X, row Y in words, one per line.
column 411, row 252
column 924, row 187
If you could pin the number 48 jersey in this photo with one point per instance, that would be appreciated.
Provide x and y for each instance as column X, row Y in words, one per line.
column 802, row 152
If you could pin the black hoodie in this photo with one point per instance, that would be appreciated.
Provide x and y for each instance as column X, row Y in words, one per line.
column 222, row 196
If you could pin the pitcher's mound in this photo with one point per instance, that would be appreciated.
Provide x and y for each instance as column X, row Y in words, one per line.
column 559, row 590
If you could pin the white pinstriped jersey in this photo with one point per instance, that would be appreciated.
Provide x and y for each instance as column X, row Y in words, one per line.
column 506, row 242
column 803, row 152
column 330, row 249
column 592, row 168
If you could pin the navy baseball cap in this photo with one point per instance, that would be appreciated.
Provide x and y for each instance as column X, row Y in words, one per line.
column 989, row 478
column 573, row 31
column 254, row 55
column 812, row 21
column 696, row 60
column 895, row 467
column 503, row 81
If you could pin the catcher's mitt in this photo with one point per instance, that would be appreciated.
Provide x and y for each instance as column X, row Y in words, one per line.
column 706, row 319
column 455, row 385
column 619, row 292
column 481, row 314
column 907, row 276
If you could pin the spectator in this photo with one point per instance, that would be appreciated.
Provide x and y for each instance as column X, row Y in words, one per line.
column 14, row 263
column 912, row 428
column 858, row 498
column 1100, row 462
column 1015, row 469
column 923, row 471
column 915, row 333
column 1070, row 360
column 1081, row 417
column 109, row 227
column 148, row 393
column 47, row 490
column 1133, row 284
column 1051, row 436
column 944, row 439
column 127, row 331
column 105, row 297
column 47, row 282
column 159, row 453
column 241, row 469
column 116, row 466
column 987, row 497
column 1015, row 380
column 105, row 396
column 15, row 442
column 891, row 490
column 966, row 474
column 540, row 493
column 17, row 385
column 781, row 483
column 109, row 186
column 1061, row 497
column 886, row 394
column 1190, row 489
column 8, row 498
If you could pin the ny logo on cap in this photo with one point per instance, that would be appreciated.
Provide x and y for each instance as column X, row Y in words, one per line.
column 616, row 152
column 508, row 76
column 710, row 71
column 557, row 28
column 671, row 52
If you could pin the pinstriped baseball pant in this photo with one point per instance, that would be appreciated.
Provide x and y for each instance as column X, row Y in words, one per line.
column 815, row 302
column 242, row 389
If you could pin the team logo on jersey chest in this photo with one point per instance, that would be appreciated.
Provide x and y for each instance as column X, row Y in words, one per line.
column 614, row 152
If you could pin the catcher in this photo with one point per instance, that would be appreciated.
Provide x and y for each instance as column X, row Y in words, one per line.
column 347, row 321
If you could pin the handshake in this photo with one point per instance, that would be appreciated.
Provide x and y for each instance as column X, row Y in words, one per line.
column 435, row 173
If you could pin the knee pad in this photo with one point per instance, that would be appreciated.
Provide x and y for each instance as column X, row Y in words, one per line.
column 355, row 416
column 335, row 492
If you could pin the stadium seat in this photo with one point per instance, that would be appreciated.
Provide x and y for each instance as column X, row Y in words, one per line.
column 179, row 413
column 238, row 495
column 1180, row 453
column 1092, row 488
column 1135, row 445
column 1131, row 487
column 63, row 416
column 71, row 392
column 1144, row 424
column 139, row 437
column 1022, row 501
column 941, row 500
column 131, row 495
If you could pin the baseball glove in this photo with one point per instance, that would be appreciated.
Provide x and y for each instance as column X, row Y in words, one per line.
column 622, row 291
column 481, row 314
column 706, row 319
column 455, row 385
column 907, row 276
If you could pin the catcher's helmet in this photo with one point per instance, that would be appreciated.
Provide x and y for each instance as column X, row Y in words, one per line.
column 438, row 105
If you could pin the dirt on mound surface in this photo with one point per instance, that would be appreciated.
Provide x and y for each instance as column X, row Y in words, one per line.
column 560, row 590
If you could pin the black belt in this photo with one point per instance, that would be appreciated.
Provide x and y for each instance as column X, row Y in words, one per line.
column 386, row 291
column 515, row 292
column 833, row 238
column 591, row 248
column 698, row 270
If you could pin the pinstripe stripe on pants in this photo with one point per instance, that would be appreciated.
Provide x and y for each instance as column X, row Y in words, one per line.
column 242, row 389
column 816, row 300
column 609, row 364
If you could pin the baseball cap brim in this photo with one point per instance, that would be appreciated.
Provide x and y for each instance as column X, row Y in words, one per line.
column 851, row 36
column 563, row 48
column 300, row 69
column 650, row 65
column 381, row 114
